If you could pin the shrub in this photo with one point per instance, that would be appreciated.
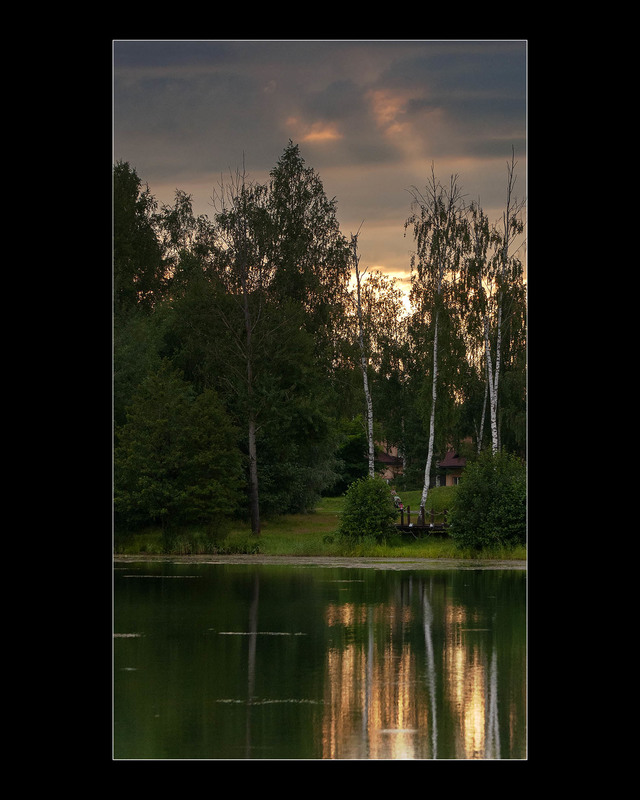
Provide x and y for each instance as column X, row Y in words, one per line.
column 176, row 461
column 369, row 511
column 490, row 505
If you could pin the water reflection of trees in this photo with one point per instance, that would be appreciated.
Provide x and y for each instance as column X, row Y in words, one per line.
column 382, row 665
column 417, row 677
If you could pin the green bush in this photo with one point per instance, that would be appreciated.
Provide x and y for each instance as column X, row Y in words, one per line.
column 369, row 512
column 490, row 504
column 176, row 460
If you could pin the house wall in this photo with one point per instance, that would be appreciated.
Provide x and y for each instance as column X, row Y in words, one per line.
column 390, row 473
column 452, row 476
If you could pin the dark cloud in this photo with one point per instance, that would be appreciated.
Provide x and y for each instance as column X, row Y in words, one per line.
column 339, row 101
column 369, row 116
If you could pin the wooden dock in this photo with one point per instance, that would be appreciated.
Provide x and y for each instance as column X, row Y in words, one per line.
column 421, row 526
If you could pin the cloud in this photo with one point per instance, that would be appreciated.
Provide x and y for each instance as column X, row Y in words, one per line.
column 369, row 116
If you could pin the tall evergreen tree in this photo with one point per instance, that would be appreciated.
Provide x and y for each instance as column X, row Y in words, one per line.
column 138, row 267
column 309, row 255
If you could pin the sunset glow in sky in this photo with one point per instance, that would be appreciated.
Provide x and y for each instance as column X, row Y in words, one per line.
column 370, row 117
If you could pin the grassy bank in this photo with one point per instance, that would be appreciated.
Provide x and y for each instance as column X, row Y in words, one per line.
column 311, row 535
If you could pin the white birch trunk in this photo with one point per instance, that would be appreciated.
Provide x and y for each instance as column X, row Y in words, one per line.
column 367, row 394
column 512, row 209
column 484, row 409
column 493, row 379
column 364, row 363
column 432, row 422
column 442, row 211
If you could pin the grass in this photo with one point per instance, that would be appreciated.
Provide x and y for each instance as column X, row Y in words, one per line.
column 313, row 534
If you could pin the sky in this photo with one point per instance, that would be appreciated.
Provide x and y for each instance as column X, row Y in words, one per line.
column 371, row 117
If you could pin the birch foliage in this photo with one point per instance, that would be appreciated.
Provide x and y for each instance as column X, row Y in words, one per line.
column 440, row 234
column 494, row 285
column 376, row 310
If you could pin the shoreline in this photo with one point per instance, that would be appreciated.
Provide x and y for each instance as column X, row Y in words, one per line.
column 327, row 561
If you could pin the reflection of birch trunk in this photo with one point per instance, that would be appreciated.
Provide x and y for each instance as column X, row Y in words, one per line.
column 251, row 664
column 492, row 736
column 368, row 688
column 431, row 674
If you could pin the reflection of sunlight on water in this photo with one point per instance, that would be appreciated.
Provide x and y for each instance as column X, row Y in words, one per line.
column 407, row 672
column 472, row 692
column 473, row 711
column 382, row 702
column 399, row 745
column 370, row 708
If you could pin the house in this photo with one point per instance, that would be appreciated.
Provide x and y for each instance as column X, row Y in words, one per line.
column 388, row 464
column 451, row 465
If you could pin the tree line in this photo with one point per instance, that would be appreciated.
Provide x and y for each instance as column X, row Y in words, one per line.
column 257, row 362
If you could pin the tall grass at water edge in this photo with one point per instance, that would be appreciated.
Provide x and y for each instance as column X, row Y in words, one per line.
column 314, row 534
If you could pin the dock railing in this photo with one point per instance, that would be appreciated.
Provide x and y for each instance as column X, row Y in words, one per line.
column 420, row 521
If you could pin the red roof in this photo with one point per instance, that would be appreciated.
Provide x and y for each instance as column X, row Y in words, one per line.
column 452, row 461
column 385, row 458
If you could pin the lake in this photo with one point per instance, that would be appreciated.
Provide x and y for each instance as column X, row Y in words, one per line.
column 265, row 661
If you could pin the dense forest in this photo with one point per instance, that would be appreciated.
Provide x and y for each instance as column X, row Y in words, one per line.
column 258, row 364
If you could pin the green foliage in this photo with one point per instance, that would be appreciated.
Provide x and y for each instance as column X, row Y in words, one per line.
column 440, row 498
column 490, row 503
column 369, row 512
column 296, row 438
column 138, row 267
column 351, row 454
column 251, row 308
column 307, row 250
column 176, row 461
column 138, row 340
column 217, row 538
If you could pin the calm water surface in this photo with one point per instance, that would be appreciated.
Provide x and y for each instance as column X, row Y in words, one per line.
column 285, row 662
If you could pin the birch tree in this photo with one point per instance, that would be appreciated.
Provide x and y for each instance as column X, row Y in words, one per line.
column 474, row 296
column 385, row 322
column 364, row 360
column 495, row 291
column 506, row 277
column 439, row 230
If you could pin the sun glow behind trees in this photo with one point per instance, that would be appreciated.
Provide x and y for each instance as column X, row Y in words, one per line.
column 264, row 305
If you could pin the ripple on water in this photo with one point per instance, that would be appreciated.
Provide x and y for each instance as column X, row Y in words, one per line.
column 268, row 701
column 258, row 633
